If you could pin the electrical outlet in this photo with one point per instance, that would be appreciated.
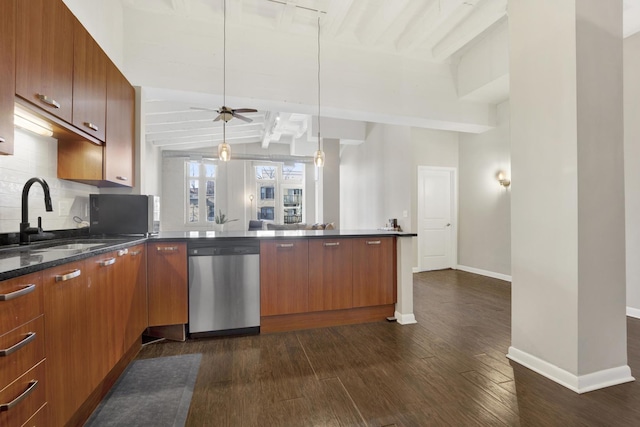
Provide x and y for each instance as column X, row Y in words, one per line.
column 64, row 207
column 405, row 214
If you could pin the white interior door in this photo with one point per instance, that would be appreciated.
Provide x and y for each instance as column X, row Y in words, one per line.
column 436, row 218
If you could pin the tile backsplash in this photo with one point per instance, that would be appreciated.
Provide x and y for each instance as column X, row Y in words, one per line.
column 37, row 156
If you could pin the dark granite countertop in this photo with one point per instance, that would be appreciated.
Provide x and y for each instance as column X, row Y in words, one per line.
column 16, row 260
column 275, row 234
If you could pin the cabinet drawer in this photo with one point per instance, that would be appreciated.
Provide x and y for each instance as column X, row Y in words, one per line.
column 24, row 396
column 20, row 301
column 40, row 418
column 26, row 347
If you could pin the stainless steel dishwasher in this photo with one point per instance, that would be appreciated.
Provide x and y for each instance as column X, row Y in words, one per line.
column 224, row 287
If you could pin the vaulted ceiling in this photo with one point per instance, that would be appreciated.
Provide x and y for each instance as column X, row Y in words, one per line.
column 271, row 47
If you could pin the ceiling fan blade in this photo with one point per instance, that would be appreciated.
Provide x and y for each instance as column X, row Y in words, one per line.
column 245, row 110
column 243, row 118
column 202, row 109
column 217, row 119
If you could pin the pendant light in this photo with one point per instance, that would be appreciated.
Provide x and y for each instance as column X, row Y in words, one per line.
column 318, row 157
column 224, row 149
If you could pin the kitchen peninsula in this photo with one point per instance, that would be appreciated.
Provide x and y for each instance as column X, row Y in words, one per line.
column 93, row 297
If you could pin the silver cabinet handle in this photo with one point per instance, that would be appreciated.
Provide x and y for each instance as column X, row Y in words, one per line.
column 107, row 262
column 332, row 244
column 373, row 242
column 24, row 291
column 123, row 252
column 91, row 126
column 1, row 139
column 26, row 340
column 122, row 178
column 285, row 245
column 32, row 386
column 135, row 253
column 167, row 249
column 68, row 276
column 49, row 101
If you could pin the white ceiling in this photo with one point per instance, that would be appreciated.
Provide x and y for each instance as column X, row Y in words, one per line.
column 433, row 31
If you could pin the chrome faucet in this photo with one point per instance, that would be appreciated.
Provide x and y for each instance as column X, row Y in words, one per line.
column 25, row 230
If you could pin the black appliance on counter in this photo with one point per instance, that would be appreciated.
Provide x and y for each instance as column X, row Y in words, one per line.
column 115, row 214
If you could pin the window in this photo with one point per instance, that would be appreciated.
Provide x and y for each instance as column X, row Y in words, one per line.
column 201, row 192
column 279, row 187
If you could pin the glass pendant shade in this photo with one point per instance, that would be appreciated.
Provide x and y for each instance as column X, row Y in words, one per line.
column 224, row 152
column 318, row 158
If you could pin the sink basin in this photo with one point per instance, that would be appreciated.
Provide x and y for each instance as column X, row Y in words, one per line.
column 73, row 246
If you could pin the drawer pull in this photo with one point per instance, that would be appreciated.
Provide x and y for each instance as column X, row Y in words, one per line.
column 49, row 101
column 32, row 386
column 332, row 244
column 107, row 262
column 373, row 242
column 26, row 340
column 122, row 178
column 285, row 245
column 68, row 276
column 12, row 295
column 167, row 249
column 135, row 253
column 91, row 126
column 123, row 252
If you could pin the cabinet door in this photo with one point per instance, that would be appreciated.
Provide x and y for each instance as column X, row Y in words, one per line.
column 67, row 345
column 44, row 55
column 374, row 281
column 120, row 147
column 167, row 284
column 7, row 73
column 104, row 315
column 136, row 313
column 330, row 274
column 89, row 83
column 284, row 277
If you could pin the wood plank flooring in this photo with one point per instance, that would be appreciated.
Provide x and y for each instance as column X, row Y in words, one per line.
column 449, row 369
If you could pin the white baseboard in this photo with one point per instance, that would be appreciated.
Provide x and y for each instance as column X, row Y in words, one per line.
column 633, row 312
column 484, row 272
column 415, row 270
column 405, row 319
column 579, row 384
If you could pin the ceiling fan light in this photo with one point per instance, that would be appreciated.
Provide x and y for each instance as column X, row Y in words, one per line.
column 224, row 152
column 318, row 158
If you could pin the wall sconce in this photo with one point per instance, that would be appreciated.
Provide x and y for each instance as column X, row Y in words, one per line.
column 503, row 180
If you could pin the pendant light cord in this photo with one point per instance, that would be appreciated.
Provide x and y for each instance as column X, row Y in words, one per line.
column 319, row 146
column 224, row 52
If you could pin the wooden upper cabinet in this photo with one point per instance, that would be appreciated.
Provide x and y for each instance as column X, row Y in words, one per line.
column 89, row 84
column 167, row 284
column 7, row 73
column 44, row 55
column 374, row 278
column 330, row 274
column 120, row 146
column 284, row 277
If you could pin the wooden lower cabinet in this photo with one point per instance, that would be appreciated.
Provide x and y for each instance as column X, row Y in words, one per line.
column 31, row 385
column 68, row 346
column 284, row 277
column 167, row 284
column 330, row 274
column 135, row 299
column 374, row 272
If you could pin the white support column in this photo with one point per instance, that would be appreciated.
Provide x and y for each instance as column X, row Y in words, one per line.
column 404, row 307
column 567, row 204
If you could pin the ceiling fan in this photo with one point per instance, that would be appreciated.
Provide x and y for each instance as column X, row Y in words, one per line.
column 225, row 113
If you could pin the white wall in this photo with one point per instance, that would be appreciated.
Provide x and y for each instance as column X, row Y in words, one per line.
column 484, row 233
column 632, row 169
column 37, row 156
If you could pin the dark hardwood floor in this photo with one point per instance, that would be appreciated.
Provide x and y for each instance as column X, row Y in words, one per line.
column 449, row 369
